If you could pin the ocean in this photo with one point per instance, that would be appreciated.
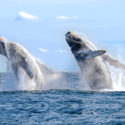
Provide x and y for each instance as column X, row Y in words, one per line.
column 62, row 106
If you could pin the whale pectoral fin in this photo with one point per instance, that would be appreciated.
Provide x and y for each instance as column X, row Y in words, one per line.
column 90, row 54
column 24, row 64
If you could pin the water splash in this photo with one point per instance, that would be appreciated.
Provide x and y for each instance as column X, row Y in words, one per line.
column 55, row 80
column 118, row 79
column 51, row 80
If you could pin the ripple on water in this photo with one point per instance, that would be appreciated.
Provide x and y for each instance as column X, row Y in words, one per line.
column 62, row 107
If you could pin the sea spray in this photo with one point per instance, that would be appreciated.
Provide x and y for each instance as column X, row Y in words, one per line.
column 118, row 79
column 25, row 83
column 56, row 80
column 52, row 80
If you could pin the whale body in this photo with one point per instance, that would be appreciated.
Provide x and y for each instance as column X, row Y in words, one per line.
column 93, row 70
column 19, row 57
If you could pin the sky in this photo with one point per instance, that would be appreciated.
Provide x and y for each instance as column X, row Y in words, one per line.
column 40, row 26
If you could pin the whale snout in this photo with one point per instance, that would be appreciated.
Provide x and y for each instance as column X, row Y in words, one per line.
column 70, row 36
column 69, row 32
column 72, row 39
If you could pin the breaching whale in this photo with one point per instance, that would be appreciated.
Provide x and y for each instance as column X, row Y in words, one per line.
column 19, row 57
column 93, row 70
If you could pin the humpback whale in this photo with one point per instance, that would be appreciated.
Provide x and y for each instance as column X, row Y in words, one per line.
column 19, row 57
column 93, row 70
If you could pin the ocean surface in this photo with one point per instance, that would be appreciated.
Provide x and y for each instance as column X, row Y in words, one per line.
column 62, row 107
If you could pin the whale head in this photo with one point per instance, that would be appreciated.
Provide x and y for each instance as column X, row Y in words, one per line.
column 81, row 48
column 3, row 47
column 76, row 43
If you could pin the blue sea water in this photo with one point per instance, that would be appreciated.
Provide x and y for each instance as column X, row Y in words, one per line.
column 62, row 107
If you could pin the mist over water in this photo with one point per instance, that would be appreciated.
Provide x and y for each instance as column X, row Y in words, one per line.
column 58, row 80
column 118, row 79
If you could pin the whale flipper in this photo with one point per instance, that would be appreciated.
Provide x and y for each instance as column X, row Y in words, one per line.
column 24, row 64
column 85, row 55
